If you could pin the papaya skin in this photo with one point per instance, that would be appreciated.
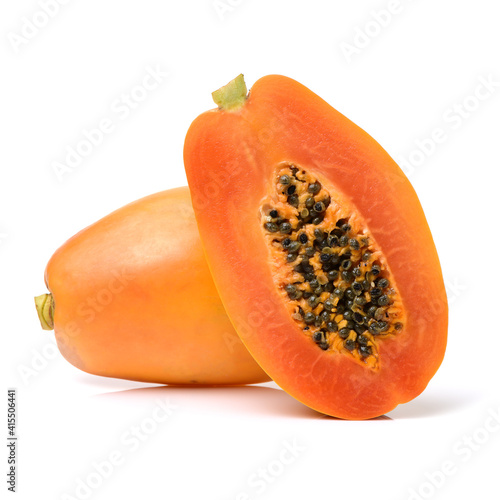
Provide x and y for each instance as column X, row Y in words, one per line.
column 230, row 157
column 133, row 298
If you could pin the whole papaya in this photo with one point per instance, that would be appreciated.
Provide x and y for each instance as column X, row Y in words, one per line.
column 131, row 297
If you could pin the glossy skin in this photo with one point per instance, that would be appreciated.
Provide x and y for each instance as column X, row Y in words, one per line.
column 134, row 299
column 230, row 157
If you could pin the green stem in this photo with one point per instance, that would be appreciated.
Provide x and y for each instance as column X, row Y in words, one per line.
column 232, row 96
column 45, row 308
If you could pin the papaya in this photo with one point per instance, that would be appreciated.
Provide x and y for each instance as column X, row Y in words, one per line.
column 319, row 248
column 131, row 297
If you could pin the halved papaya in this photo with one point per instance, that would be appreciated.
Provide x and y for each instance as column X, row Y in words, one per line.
column 319, row 248
column 132, row 297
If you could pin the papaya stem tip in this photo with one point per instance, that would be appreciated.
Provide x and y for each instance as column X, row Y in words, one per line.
column 45, row 309
column 232, row 95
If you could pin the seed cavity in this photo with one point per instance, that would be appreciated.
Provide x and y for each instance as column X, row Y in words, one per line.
column 334, row 278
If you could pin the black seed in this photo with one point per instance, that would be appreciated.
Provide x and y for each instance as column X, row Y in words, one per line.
column 291, row 190
column 340, row 308
column 362, row 340
column 384, row 326
column 306, row 328
column 317, row 220
column 313, row 301
column 309, row 276
column 341, row 222
column 348, row 314
column 314, row 187
column 344, row 333
column 360, row 301
column 354, row 244
column 343, row 241
column 357, row 272
column 346, row 264
column 336, row 232
column 291, row 257
column 294, row 247
column 309, row 318
column 328, row 305
column 374, row 328
column 333, row 241
column 398, row 326
column 375, row 270
column 350, row 344
column 323, row 245
column 310, row 251
column 285, row 180
column 308, row 268
column 304, row 213
column 293, row 200
column 359, row 329
column 318, row 336
column 335, row 260
column 347, row 276
column 346, row 228
column 319, row 234
column 324, row 257
column 328, row 287
column 307, row 295
column 310, row 202
column 365, row 351
column 324, row 346
column 332, row 275
column 325, row 316
column 350, row 325
column 349, row 304
column 317, row 321
column 286, row 227
column 271, row 227
column 303, row 238
column 286, row 242
column 273, row 214
column 357, row 287
column 366, row 256
column 332, row 326
column 319, row 207
column 375, row 292
column 339, row 292
column 358, row 318
column 314, row 283
column 366, row 285
column 382, row 283
column 383, row 300
column 349, row 294
column 290, row 289
column 371, row 311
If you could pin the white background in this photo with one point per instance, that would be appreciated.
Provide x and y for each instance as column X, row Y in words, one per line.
column 410, row 77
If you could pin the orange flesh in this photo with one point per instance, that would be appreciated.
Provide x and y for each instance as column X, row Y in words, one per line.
column 230, row 158
column 134, row 299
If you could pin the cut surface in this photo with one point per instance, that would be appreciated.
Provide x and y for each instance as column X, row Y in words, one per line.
column 331, row 274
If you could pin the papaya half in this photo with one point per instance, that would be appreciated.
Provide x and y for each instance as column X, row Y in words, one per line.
column 319, row 248
column 131, row 297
